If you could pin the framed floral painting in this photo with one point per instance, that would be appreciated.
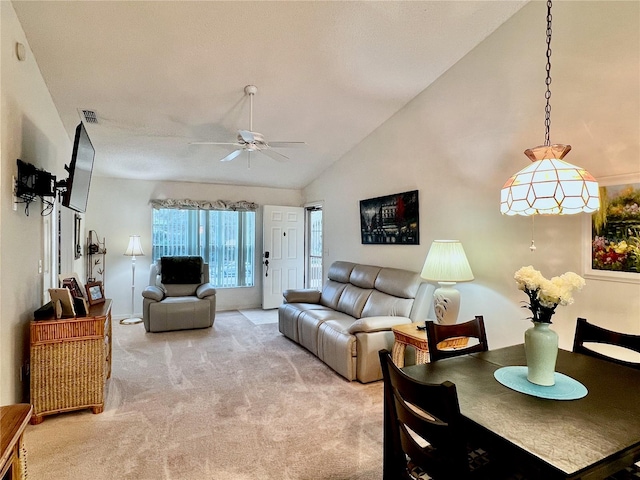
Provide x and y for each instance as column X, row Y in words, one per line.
column 612, row 235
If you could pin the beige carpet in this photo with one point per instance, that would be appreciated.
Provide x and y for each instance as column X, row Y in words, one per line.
column 236, row 401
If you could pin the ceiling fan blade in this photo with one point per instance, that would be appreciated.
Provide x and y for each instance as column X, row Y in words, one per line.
column 215, row 143
column 247, row 136
column 287, row 144
column 273, row 154
column 231, row 156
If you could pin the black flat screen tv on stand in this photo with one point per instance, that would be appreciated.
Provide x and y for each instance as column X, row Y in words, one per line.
column 80, row 169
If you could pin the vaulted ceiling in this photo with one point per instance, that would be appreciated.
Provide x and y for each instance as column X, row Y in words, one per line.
column 160, row 75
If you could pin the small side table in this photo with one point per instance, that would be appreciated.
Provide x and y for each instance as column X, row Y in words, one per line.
column 408, row 334
column 13, row 421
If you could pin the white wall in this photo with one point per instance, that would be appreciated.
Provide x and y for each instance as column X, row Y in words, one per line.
column 33, row 132
column 119, row 208
column 461, row 138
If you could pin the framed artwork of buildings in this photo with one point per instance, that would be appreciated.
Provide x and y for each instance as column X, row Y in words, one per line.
column 390, row 220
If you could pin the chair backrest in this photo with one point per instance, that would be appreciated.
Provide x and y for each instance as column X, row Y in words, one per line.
column 179, row 275
column 423, row 422
column 590, row 333
column 437, row 333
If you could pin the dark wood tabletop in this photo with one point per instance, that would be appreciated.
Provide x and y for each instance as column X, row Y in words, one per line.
column 589, row 438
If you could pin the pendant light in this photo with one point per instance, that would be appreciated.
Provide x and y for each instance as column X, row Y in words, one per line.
column 549, row 186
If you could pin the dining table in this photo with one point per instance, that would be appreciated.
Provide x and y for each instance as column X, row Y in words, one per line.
column 588, row 437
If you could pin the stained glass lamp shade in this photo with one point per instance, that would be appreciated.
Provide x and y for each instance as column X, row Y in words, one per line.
column 549, row 186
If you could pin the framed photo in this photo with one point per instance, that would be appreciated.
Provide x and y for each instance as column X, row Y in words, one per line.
column 72, row 281
column 390, row 220
column 611, row 248
column 72, row 284
column 95, row 293
column 63, row 302
column 78, row 296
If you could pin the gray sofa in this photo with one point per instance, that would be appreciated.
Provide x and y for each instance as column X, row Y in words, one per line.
column 179, row 295
column 347, row 323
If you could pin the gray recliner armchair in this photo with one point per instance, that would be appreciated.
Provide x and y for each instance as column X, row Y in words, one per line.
column 179, row 295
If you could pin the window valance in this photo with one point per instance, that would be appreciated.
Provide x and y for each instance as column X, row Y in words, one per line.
column 187, row 204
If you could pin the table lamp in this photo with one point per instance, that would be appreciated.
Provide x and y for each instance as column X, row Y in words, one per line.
column 133, row 249
column 447, row 264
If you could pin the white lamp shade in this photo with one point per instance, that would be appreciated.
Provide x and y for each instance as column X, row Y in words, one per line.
column 446, row 262
column 549, row 186
column 134, row 249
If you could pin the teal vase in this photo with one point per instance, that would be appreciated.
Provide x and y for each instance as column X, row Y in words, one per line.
column 541, row 350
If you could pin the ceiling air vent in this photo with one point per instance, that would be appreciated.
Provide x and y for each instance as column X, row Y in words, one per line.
column 89, row 116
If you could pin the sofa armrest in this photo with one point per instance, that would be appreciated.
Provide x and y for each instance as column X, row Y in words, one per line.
column 303, row 295
column 205, row 290
column 376, row 324
column 153, row 293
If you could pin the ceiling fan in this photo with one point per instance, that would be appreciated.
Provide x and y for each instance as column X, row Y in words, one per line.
column 250, row 141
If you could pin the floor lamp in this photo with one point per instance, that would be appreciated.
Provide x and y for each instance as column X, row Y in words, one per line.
column 134, row 249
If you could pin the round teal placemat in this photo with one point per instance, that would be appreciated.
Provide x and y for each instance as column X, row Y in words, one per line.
column 565, row 388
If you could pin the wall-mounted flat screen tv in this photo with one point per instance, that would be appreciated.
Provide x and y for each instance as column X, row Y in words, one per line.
column 80, row 170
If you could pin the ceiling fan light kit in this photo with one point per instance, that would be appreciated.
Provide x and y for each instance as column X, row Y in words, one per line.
column 250, row 141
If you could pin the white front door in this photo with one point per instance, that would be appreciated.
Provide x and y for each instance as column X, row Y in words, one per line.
column 283, row 255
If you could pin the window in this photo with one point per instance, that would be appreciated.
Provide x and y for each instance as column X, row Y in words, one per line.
column 314, row 247
column 225, row 239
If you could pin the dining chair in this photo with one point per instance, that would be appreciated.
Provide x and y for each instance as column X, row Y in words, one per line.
column 589, row 333
column 437, row 333
column 629, row 473
column 424, row 435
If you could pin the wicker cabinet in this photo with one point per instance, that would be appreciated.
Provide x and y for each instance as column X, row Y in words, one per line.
column 70, row 362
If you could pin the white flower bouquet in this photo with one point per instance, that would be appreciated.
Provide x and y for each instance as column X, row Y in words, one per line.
column 545, row 295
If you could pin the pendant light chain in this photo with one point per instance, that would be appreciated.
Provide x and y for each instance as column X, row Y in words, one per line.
column 533, row 228
column 549, row 185
column 547, row 95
